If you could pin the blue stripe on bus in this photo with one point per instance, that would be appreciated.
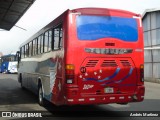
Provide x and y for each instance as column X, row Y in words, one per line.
column 107, row 78
column 119, row 81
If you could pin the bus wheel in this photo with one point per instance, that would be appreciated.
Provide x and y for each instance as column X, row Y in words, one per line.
column 40, row 96
column 22, row 86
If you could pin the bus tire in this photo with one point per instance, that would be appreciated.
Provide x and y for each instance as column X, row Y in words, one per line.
column 22, row 87
column 40, row 96
column 20, row 80
column 122, row 103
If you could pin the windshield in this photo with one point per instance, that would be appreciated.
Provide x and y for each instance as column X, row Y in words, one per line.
column 9, row 59
column 97, row 27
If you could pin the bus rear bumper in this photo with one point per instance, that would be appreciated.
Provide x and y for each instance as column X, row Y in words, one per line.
column 137, row 96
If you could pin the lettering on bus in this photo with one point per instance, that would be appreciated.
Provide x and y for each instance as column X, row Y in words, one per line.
column 109, row 50
column 87, row 86
column 83, row 69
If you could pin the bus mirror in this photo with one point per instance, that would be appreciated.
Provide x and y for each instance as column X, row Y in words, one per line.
column 18, row 56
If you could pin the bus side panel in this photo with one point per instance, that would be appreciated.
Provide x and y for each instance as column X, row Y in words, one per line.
column 4, row 67
column 49, row 71
column 47, row 68
column 27, row 71
column 12, row 67
column 59, row 87
column 56, row 78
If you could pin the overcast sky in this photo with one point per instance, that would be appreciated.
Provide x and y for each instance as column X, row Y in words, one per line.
column 44, row 11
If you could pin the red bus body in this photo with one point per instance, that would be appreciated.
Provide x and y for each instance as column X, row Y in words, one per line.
column 97, row 71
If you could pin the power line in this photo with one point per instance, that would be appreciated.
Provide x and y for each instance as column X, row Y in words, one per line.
column 20, row 27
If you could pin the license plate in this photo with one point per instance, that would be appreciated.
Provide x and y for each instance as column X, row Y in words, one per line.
column 108, row 90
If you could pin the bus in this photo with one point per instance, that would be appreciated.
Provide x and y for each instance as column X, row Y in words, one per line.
column 8, row 63
column 85, row 56
column 0, row 65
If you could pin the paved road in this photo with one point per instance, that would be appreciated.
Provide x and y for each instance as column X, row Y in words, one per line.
column 13, row 98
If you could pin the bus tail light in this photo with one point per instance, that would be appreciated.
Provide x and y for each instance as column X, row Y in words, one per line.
column 142, row 72
column 69, row 73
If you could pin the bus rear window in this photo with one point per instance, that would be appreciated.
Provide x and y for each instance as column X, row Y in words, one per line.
column 97, row 27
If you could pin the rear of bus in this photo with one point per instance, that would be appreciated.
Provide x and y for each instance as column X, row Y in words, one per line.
column 104, row 57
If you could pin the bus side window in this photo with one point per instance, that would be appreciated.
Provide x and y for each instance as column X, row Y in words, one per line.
column 39, row 44
column 10, row 58
column 46, row 41
column 27, row 50
column 36, row 51
column 34, row 47
column 42, row 48
column 58, row 37
column 50, row 40
column 22, row 52
column 56, row 33
column 30, row 49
